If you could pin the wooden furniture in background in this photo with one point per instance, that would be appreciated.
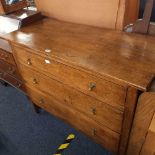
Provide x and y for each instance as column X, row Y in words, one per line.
column 149, row 145
column 9, row 23
column 113, row 14
column 8, row 70
column 144, row 25
column 141, row 130
column 6, row 8
column 86, row 79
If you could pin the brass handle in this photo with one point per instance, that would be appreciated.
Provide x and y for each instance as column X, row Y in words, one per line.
column 93, row 110
column 41, row 101
column 34, row 81
column 94, row 132
column 29, row 62
column 92, row 85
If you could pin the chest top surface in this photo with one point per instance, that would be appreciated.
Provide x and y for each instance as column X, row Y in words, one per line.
column 129, row 58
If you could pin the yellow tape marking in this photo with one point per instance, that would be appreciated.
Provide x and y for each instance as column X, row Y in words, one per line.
column 63, row 146
column 71, row 136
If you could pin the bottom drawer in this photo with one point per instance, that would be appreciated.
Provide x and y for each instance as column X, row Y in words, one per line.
column 9, row 69
column 108, row 138
column 11, row 80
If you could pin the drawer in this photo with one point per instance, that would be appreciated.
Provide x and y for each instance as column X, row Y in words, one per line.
column 70, row 97
column 99, row 88
column 9, row 69
column 11, row 80
column 102, row 135
column 6, row 56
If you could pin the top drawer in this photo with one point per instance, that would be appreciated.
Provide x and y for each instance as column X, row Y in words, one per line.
column 99, row 88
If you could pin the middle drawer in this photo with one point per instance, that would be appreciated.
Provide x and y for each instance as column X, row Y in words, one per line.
column 97, row 110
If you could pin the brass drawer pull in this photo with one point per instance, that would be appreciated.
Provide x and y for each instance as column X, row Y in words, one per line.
column 92, row 85
column 35, row 81
column 41, row 101
column 93, row 110
column 94, row 132
column 29, row 62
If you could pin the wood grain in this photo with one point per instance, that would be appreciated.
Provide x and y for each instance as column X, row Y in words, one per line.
column 152, row 126
column 104, row 90
column 130, row 106
column 149, row 145
column 104, row 113
column 104, row 136
column 12, row 81
column 119, row 63
column 143, row 117
column 120, row 57
column 6, row 56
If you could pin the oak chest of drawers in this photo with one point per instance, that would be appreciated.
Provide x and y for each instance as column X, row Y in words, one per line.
column 87, row 76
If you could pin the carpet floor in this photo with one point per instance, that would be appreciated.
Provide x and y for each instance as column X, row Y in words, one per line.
column 23, row 132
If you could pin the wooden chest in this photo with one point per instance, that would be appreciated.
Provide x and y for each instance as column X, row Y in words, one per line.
column 90, row 80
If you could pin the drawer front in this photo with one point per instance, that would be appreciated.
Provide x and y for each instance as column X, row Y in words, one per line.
column 6, row 56
column 9, row 69
column 99, row 88
column 97, row 110
column 104, row 136
column 11, row 80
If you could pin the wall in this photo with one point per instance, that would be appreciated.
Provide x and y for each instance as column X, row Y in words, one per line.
column 102, row 13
